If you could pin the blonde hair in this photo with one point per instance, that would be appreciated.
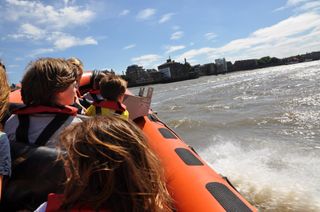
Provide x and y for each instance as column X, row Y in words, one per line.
column 111, row 166
column 4, row 92
column 77, row 65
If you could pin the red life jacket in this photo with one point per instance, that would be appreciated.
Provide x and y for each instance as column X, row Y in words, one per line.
column 114, row 105
column 55, row 201
column 94, row 91
column 69, row 110
column 22, row 131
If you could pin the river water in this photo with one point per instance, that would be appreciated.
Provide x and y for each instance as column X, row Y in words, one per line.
column 260, row 128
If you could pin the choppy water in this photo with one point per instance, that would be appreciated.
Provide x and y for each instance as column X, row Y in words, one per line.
column 259, row 128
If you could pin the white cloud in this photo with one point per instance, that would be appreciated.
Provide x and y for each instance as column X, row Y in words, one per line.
column 68, row 41
column 147, row 61
column 296, row 2
column 31, row 32
column 294, row 35
column 146, row 14
column 314, row 5
column 165, row 18
column 301, row 5
column 191, row 54
column 129, row 46
column 28, row 31
column 124, row 12
column 176, row 35
column 62, row 41
column 45, row 23
column 47, row 16
column 210, row 35
column 41, row 51
column 69, row 1
column 171, row 49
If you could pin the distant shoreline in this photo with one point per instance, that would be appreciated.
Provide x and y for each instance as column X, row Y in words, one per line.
column 172, row 71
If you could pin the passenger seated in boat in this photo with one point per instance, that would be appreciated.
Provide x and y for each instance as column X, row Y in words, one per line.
column 78, row 66
column 94, row 93
column 47, row 88
column 112, row 89
column 110, row 167
column 5, row 159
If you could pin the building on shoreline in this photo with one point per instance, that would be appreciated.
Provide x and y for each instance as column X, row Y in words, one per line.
column 172, row 71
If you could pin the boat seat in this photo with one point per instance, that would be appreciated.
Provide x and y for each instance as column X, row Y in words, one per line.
column 35, row 173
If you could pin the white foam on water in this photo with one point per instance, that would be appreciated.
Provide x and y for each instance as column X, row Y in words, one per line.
column 269, row 180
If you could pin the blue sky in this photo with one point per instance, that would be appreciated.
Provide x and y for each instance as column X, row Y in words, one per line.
column 118, row 33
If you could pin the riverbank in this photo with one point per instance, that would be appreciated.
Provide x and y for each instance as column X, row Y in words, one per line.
column 172, row 71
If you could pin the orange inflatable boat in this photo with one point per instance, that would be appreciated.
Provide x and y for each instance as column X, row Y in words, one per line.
column 193, row 185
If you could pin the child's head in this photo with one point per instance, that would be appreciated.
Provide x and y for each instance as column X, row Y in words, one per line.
column 113, row 88
column 49, row 81
column 109, row 165
column 97, row 78
column 78, row 66
column 4, row 91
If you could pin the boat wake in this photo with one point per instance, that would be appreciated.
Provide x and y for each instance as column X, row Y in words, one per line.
column 270, row 181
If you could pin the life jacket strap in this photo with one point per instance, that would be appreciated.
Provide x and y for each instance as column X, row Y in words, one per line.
column 98, row 110
column 51, row 128
column 22, row 129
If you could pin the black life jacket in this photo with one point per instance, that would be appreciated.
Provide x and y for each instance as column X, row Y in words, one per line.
column 62, row 114
column 35, row 169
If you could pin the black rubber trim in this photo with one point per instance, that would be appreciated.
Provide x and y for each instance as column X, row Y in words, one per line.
column 187, row 157
column 227, row 199
column 152, row 118
column 167, row 133
column 193, row 149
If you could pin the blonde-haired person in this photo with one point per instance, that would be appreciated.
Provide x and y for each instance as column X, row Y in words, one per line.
column 5, row 159
column 112, row 89
column 47, row 89
column 110, row 167
column 78, row 66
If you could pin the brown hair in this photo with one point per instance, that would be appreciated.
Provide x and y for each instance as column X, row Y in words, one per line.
column 44, row 78
column 97, row 79
column 4, row 92
column 77, row 65
column 109, row 165
column 111, row 88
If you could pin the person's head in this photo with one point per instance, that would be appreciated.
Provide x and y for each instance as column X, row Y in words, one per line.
column 4, row 91
column 109, row 164
column 113, row 88
column 78, row 66
column 49, row 81
column 97, row 78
